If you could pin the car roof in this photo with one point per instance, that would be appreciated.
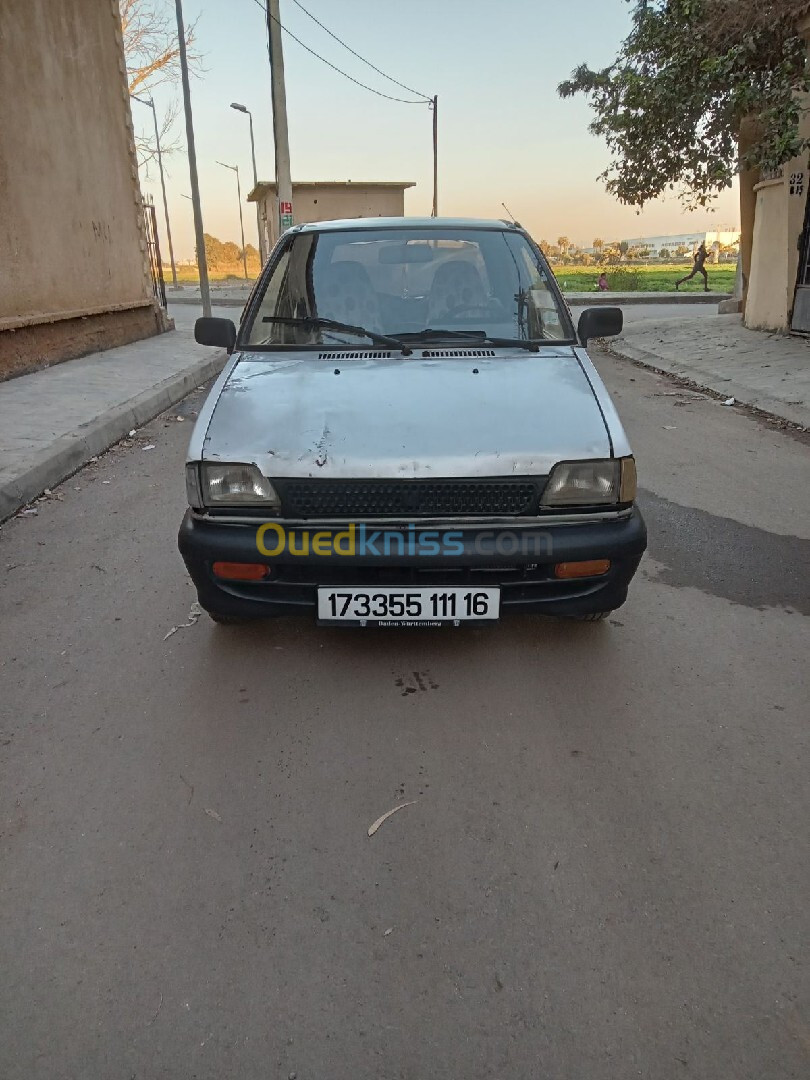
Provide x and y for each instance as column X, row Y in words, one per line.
column 393, row 223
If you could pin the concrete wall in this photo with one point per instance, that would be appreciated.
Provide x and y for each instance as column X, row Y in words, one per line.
column 777, row 230
column 767, row 302
column 778, row 225
column 71, row 233
column 313, row 202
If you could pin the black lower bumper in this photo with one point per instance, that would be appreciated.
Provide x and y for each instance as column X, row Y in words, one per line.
column 519, row 559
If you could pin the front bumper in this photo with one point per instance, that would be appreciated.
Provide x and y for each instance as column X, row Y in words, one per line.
column 523, row 567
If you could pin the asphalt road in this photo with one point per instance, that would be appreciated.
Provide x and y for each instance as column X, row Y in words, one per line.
column 605, row 870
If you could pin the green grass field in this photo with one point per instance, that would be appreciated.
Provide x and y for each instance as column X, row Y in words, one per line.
column 660, row 277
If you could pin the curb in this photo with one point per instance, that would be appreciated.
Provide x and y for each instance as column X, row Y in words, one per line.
column 71, row 452
column 743, row 395
column 625, row 299
column 216, row 301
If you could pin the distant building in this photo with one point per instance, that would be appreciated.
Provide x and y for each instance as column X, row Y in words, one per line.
column 687, row 240
column 690, row 240
column 671, row 243
column 324, row 200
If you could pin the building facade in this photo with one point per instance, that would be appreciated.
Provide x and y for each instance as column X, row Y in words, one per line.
column 329, row 200
column 691, row 241
column 74, row 259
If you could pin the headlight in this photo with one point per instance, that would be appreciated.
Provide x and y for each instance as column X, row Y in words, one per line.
column 231, row 485
column 591, row 483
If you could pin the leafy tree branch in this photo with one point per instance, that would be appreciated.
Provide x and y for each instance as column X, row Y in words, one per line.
column 672, row 104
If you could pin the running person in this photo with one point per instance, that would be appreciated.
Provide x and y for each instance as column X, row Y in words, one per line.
column 701, row 255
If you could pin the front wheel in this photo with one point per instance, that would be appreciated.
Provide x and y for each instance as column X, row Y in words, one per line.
column 595, row 616
column 226, row 620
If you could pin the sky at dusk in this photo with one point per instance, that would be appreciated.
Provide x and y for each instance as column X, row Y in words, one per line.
column 504, row 135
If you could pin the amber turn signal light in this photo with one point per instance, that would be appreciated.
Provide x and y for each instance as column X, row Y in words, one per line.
column 591, row 568
column 241, row 571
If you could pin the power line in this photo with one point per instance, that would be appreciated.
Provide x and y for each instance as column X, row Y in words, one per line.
column 340, row 41
column 379, row 93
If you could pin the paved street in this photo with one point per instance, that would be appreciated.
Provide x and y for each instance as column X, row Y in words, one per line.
column 604, row 873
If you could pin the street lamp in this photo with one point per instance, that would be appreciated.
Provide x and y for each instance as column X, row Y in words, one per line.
column 245, row 109
column 235, row 168
column 151, row 105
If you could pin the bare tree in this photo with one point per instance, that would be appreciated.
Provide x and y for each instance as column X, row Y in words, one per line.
column 153, row 59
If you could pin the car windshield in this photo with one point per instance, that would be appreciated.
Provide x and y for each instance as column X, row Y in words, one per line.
column 407, row 283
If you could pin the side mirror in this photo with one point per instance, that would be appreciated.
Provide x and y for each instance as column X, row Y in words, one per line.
column 596, row 322
column 219, row 332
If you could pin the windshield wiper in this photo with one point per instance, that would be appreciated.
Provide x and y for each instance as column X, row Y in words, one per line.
column 514, row 343
column 310, row 323
column 480, row 337
column 431, row 335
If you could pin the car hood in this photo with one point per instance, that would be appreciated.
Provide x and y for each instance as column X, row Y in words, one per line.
column 509, row 414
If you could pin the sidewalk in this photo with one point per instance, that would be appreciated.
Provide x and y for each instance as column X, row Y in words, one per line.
column 53, row 421
column 768, row 371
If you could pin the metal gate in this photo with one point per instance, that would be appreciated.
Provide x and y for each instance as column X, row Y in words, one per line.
column 800, row 316
column 153, row 249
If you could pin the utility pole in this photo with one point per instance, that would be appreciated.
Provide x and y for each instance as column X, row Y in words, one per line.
column 262, row 245
column 235, row 168
column 202, row 264
column 284, row 197
column 150, row 104
column 435, row 107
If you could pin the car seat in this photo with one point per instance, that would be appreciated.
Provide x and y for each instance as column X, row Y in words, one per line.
column 343, row 292
column 456, row 286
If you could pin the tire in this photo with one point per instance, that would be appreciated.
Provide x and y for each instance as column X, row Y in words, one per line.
column 595, row 616
column 226, row 620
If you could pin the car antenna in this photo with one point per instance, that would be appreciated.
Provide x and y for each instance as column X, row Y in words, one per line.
column 511, row 215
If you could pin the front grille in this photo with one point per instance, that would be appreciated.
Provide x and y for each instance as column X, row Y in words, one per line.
column 408, row 498
column 440, row 353
column 337, row 354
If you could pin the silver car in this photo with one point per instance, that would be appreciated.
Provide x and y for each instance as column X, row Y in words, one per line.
column 409, row 431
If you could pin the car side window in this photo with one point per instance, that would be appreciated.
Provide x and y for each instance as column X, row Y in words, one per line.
column 542, row 307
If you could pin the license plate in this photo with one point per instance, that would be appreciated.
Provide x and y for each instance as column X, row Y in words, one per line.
column 408, row 607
